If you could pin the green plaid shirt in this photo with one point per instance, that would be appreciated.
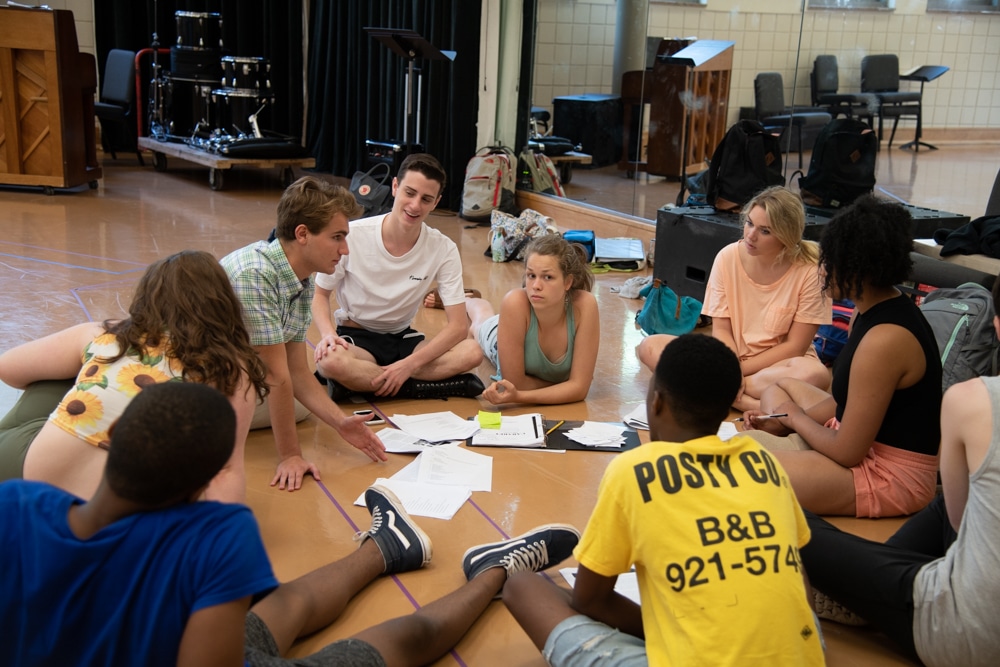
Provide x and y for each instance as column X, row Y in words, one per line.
column 276, row 304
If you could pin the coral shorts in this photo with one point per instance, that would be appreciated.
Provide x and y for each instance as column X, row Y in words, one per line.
column 892, row 482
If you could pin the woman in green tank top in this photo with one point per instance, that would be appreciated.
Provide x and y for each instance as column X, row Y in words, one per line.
column 545, row 339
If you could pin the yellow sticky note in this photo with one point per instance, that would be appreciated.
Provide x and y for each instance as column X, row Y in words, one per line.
column 489, row 419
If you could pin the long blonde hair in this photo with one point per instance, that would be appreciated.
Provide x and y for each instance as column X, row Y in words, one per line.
column 787, row 217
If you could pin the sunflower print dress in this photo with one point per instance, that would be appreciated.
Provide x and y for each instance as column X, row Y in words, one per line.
column 103, row 390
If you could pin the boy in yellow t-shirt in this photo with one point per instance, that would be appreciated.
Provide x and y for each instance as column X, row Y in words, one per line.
column 713, row 531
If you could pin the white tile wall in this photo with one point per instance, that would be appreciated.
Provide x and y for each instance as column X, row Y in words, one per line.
column 968, row 96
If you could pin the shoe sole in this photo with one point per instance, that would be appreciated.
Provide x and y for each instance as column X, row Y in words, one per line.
column 397, row 505
column 538, row 529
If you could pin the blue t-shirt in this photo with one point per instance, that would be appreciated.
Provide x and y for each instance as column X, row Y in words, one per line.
column 124, row 596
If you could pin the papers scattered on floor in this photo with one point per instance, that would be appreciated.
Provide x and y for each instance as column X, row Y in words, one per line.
column 598, row 434
column 401, row 442
column 515, row 431
column 436, row 426
column 437, row 501
column 627, row 584
column 637, row 418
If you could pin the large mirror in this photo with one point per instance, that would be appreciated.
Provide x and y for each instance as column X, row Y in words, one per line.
column 587, row 53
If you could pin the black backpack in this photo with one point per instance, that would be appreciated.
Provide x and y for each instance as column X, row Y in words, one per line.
column 962, row 320
column 746, row 161
column 842, row 167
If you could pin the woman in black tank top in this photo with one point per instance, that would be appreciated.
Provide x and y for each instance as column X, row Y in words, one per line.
column 872, row 443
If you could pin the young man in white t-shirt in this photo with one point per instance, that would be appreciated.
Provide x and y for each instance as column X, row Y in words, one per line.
column 367, row 345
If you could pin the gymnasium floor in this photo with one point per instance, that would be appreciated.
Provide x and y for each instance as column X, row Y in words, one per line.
column 75, row 256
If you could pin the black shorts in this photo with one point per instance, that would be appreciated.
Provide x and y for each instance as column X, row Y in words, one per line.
column 387, row 348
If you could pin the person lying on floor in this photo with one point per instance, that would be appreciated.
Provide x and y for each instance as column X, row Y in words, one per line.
column 869, row 448
column 141, row 574
column 933, row 586
column 544, row 342
column 368, row 345
column 712, row 529
column 765, row 298
column 184, row 324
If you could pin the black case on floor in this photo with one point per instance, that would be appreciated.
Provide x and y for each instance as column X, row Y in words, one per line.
column 388, row 152
column 689, row 237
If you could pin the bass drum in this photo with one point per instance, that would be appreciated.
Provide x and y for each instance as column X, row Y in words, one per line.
column 186, row 103
column 234, row 106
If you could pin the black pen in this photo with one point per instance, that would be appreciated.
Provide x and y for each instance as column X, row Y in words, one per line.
column 779, row 414
column 534, row 422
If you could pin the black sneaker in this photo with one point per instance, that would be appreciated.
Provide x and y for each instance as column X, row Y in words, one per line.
column 466, row 385
column 336, row 391
column 403, row 545
column 534, row 551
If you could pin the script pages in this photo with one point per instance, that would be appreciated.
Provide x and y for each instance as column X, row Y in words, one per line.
column 515, row 431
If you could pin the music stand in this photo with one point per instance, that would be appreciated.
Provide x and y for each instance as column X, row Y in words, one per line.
column 922, row 74
column 410, row 46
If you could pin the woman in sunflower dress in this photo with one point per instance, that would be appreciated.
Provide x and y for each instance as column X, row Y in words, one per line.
column 185, row 324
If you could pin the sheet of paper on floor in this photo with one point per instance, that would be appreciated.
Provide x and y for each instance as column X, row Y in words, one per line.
column 727, row 429
column 627, row 584
column 455, row 466
column 437, row 501
column 401, row 442
column 436, row 426
column 637, row 418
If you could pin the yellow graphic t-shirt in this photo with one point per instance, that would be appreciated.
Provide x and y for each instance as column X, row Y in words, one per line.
column 103, row 390
column 713, row 530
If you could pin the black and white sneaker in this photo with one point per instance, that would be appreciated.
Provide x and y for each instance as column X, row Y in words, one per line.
column 536, row 550
column 465, row 385
column 403, row 544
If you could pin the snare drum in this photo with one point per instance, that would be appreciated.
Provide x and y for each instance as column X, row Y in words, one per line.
column 186, row 103
column 199, row 30
column 233, row 107
column 246, row 72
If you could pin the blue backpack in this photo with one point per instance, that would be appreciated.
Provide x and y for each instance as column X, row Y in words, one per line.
column 831, row 338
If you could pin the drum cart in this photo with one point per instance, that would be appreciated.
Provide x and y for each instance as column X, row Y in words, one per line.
column 219, row 164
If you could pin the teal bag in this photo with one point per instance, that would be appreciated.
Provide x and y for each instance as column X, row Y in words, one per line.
column 666, row 313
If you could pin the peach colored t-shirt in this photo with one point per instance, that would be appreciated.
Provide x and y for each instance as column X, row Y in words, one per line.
column 762, row 315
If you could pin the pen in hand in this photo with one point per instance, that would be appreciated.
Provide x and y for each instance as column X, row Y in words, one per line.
column 779, row 414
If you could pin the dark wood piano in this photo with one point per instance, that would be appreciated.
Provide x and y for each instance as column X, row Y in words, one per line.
column 687, row 90
column 47, row 88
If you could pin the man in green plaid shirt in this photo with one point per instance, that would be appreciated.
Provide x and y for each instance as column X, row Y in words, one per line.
column 273, row 282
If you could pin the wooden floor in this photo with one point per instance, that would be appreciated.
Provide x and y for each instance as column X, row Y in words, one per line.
column 75, row 256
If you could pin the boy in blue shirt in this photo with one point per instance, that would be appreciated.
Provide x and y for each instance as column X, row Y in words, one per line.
column 144, row 574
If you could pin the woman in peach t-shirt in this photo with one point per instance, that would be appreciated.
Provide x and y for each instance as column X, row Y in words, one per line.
column 765, row 299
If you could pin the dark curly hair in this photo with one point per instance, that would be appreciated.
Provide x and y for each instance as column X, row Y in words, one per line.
column 170, row 441
column 187, row 299
column 698, row 378
column 867, row 243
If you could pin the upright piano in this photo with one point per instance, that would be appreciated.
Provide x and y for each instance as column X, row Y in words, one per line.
column 687, row 90
column 47, row 88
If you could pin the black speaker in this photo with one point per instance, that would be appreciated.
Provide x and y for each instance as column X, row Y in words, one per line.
column 688, row 238
column 388, row 152
column 594, row 121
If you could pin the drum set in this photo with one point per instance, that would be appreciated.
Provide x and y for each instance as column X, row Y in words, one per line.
column 208, row 100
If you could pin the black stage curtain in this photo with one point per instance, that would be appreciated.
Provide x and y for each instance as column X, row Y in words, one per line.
column 265, row 28
column 356, row 87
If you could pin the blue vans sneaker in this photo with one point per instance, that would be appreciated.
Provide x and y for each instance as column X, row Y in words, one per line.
column 536, row 550
column 403, row 545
